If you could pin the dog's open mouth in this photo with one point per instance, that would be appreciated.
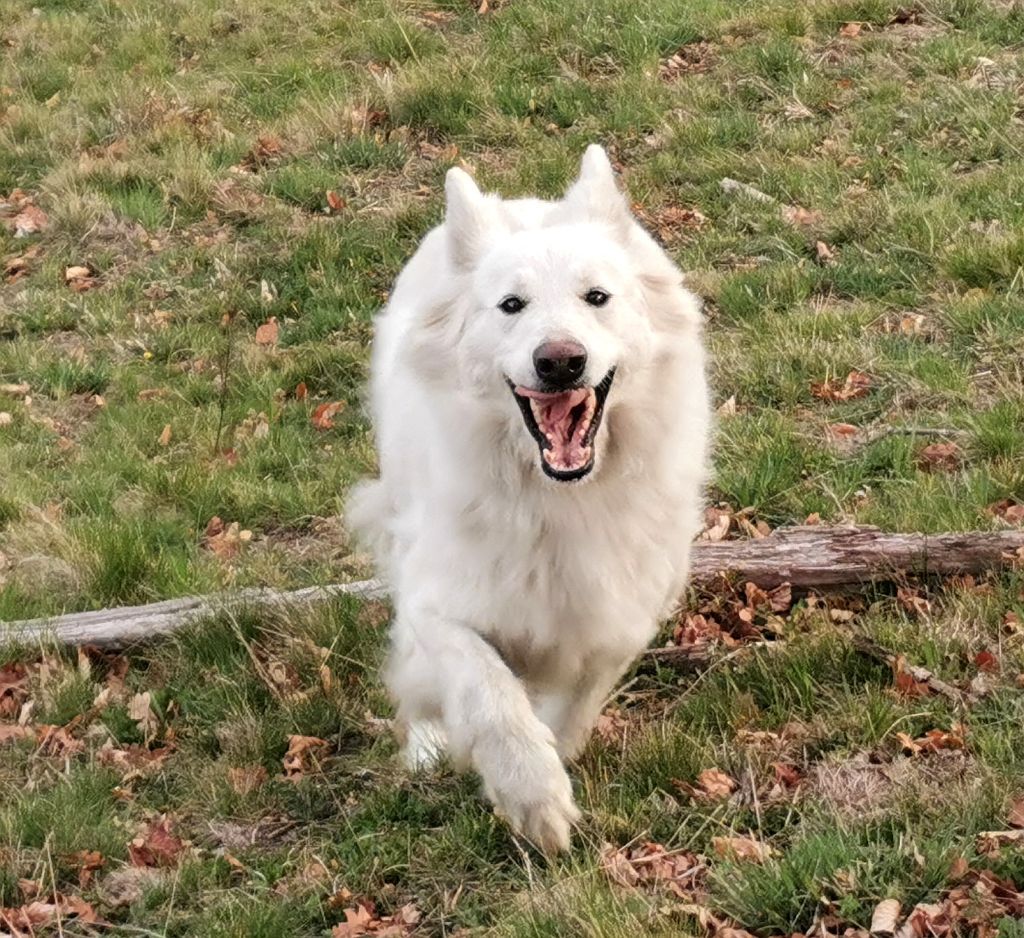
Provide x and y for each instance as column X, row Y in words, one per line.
column 564, row 424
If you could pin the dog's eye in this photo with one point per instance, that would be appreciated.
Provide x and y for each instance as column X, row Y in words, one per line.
column 512, row 304
column 596, row 297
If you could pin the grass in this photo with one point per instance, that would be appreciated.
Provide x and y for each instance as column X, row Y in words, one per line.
column 184, row 152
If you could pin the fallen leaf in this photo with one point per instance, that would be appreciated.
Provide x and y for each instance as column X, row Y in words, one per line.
column 301, row 391
column 335, row 203
column 268, row 332
column 300, row 758
column 717, row 522
column 14, row 390
column 712, row 785
column 728, row 407
column 788, row 775
column 11, row 733
column 323, row 416
column 826, row 256
column 990, row 843
column 141, row 711
column 88, row 862
column 986, row 661
column 741, row 848
column 913, row 324
column 653, row 868
column 80, row 278
column 58, row 741
column 851, row 30
column 225, row 541
column 165, row 437
column 1008, row 510
column 913, row 602
column 691, row 59
column 611, row 728
column 362, row 919
column 936, row 457
column 1016, row 815
column 156, row 846
column 245, row 779
column 798, row 215
column 856, row 385
column 885, row 917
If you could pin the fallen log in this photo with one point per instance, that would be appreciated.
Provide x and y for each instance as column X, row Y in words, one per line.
column 812, row 557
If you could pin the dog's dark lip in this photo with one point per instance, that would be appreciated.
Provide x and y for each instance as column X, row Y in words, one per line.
column 601, row 390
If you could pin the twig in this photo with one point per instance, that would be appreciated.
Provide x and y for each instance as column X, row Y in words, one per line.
column 224, row 372
column 743, row 188
column 871, row 649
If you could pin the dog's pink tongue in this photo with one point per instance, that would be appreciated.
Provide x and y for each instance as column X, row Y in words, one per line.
column 559, row 403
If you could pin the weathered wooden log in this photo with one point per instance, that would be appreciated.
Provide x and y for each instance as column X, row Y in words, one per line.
column 817, row 556
column 805, row 557
column 108, row 628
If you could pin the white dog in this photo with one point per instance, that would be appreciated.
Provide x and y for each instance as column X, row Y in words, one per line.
column 541, row 416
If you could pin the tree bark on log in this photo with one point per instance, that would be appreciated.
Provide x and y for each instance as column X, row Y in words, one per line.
column 805, row 557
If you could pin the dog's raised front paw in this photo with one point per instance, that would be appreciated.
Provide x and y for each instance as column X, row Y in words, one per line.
column 538, row 803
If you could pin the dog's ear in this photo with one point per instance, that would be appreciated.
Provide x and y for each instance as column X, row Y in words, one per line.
column 595, row 196
column 471, row 218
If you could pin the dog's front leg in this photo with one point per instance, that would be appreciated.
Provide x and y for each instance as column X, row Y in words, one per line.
column 571, row 713
column 445, row 671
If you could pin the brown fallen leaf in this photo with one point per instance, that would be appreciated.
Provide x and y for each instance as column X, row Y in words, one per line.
column 88, row 862
column 267, row 333
column 913, row 324
column 825, row 255
column 611, row 728
column 301, row 391
column 913, row 602
column 362, row 919
column 712, row 785
column 1016, row 815
column 717, row 522
column 141, row 711
column 906, row 684
column 300, row 758
column 245, row 779
column 932, row 741
column 885, row 917
column 986, row 661
column 30, row 220
column 851, row 30
column 1008, row 510
column 323, row 417
column 225, row 541
column 798, row 215
column 940, row 457
column 156, row 845
column 653, row 868
column 990, row 843
column 9, row 733
column 58, row 741
column 742, row 848
column 14, row 390
column 80, row 278
column 335, row 203
column 857, row 384
column 165, row 436
column 787, row 775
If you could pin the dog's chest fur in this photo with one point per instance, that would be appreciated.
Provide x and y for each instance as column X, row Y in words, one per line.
column 578, row 573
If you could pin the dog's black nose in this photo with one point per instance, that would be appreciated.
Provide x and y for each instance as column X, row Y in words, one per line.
column 560, row 365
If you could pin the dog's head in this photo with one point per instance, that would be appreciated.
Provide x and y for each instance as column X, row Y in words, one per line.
column 559, row 306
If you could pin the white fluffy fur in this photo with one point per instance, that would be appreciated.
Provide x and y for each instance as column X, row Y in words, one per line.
column 521, row 600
